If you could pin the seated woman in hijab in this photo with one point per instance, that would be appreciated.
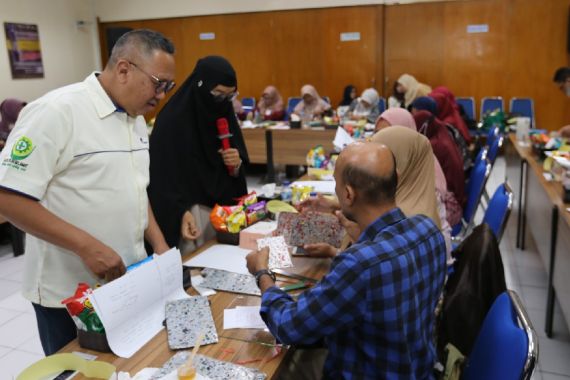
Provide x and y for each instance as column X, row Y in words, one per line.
column 270, row 106
column 448, row 156
column 9, row 111
column 365, row 107
column 449, row 111
column 411, row 88
column 312, row 106
column 188, row 170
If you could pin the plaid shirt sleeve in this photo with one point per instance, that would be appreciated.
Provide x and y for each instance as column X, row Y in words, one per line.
column 336, row 301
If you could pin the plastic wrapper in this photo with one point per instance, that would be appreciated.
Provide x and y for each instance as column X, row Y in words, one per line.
column 218, row 217
column 248, row 200
column 81, row 310
column 300, row 194
column 236, row 221
column 316, row 157
column 255, row 212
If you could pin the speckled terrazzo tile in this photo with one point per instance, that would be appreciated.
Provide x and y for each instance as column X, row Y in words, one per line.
column 230, row 282
column 186, row 319
column 211, row 368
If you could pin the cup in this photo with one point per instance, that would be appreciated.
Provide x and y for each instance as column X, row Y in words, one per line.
column 523, row 127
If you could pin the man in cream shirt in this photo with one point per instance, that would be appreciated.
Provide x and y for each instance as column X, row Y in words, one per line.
column 74, row 174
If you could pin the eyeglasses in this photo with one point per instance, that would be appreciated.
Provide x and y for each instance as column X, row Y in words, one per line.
column 220, row 95
column 160, row 85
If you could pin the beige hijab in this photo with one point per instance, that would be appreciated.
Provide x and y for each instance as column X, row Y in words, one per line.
column 316, row 107
column 414, row 89
column 416, row 178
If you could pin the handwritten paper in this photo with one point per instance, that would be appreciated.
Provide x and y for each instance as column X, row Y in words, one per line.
column 279, row 256
column 131, row 307
column 221, row 256
column 243, row 317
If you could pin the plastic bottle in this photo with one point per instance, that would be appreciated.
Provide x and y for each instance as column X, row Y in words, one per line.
column 286, row 191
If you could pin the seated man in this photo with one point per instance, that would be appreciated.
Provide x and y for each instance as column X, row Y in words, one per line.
column 375, row 308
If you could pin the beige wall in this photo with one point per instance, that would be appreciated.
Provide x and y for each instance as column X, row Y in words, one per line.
column 69, row 54
column 113, row 10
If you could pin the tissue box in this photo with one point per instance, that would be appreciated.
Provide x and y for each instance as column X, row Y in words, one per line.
column 248, row 236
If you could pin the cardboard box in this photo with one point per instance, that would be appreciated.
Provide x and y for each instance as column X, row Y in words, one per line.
column 248, row 236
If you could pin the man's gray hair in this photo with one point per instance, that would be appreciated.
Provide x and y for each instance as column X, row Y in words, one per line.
column 142, row 42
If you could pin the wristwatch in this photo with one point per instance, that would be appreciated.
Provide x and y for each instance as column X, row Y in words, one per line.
column 260, row 273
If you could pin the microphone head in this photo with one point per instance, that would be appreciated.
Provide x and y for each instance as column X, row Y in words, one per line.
column 222, row 125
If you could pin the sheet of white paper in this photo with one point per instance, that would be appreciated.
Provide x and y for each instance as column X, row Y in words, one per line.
column 132, row 307
column 243, row 317
column 221, row 256
column 324, row 187
column 196, row 281
column 342, row 138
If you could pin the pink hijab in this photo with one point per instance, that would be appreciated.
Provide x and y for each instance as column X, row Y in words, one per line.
column 317, row 105
column 399, row 116
column 274, row 100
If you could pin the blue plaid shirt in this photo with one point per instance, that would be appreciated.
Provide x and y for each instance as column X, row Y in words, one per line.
column 375, row 308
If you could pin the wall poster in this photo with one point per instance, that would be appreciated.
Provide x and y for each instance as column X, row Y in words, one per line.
column 23, row 43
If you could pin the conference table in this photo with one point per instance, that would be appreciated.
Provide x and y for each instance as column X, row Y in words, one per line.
column 253, row 348
column 284, row 146
column 540, row 210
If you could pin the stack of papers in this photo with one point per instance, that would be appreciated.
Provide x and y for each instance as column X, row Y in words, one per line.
column 131, row 307
column 223, row 257
column 243, row 317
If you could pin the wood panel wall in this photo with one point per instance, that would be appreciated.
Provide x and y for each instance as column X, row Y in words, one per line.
column 287, row 48
column 526, row 42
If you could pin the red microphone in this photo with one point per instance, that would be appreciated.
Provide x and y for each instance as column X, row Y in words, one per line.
column 224, row 135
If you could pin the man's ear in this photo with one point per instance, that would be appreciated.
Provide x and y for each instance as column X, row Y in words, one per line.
column 350, row 195
column 122, row 69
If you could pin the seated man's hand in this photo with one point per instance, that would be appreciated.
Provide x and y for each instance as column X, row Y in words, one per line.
column 188, row 228
column 103, row 261
column 352, row 229
column 257, row 260
column 319, row 204
column 320, row 250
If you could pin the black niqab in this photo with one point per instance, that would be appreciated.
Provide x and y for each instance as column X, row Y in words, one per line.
column 185, row 166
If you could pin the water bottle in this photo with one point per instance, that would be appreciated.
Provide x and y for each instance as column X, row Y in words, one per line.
column 286, row 191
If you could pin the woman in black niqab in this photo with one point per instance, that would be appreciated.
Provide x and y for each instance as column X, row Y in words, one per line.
column 186, row 165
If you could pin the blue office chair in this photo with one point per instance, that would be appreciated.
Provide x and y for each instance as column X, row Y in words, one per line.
column 381, row 104
column 468, row 104
column 490, row 104
column 523, row 107
column 248, row 104
column 482, row 155
column 291, row 104
column 499, row 209
column 506, row 347
column 494, row 148
column 476, row 184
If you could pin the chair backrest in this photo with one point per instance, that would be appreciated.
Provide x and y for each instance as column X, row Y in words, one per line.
column 291, row 104
column 523, row 107
column 489, row 104
column 482, row 155
column 248, row 102
column 475, row 185
column 381, row 104
column 506, row 347
column 492, row 135
column 499, row 209
column 494, row 148
column 468, row 104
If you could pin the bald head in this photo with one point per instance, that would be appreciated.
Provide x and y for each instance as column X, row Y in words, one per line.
column 369, row 169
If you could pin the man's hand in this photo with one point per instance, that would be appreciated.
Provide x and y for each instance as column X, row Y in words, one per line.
column 103, row 261
column 230, row 157
column 318, row 204
column 160, row 248
column 257, row 260
column 352, row 229
column 188, row 228
column 320, row 250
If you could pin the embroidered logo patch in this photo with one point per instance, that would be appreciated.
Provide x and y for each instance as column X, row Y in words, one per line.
column 22, row 149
